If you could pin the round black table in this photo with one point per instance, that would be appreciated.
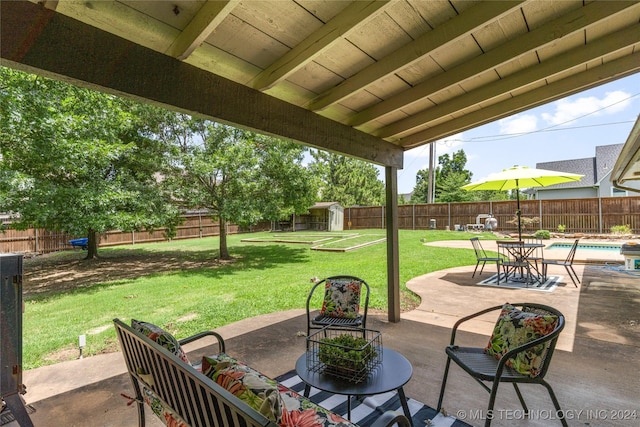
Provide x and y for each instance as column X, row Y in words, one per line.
column 392, row 374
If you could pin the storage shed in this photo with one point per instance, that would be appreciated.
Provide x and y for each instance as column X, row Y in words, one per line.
column 323, row 216
column 326, row 216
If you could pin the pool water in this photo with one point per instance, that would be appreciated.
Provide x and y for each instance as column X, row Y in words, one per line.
column 588, row 246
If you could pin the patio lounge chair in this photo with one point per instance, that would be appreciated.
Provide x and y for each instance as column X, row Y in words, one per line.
column 341, row 303
column 506, row 358
column 482, row 257
column 567, row 263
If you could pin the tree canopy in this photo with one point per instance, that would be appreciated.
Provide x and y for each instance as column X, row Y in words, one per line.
column 79, row 161
column 348, row 181
column 450, row 177
column 236, row 175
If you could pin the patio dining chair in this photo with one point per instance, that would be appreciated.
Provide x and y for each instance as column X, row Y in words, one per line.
column 512, row 261
column 536, row 254
column 567, row 263
column 341, row 303
column 482, row 257
column 507, row 357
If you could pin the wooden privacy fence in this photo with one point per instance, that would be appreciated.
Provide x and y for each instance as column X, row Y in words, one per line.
column 592, row 215
column 43, row 241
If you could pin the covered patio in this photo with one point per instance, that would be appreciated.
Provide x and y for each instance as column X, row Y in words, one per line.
column 589, row 372
column 369, row 79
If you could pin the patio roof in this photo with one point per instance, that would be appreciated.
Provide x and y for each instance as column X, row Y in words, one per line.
column 627, row 168
column 365, row 78
column 369, row 79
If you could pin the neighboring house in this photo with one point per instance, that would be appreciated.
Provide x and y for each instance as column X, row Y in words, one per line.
column 597, row 180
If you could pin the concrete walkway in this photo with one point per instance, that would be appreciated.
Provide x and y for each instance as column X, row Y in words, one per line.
column 594, row 369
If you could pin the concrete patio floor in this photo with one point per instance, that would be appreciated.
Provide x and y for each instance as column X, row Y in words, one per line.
column 594, row 372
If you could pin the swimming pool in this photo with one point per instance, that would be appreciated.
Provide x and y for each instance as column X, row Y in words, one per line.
column 588, row 246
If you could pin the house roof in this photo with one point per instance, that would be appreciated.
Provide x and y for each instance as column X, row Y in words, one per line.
column 594, row 169
column 370, row 79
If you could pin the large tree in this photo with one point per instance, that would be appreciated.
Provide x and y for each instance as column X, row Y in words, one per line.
column 79, row 161
column 450, row 176
column 348, row 181
column 420, row 192
column 237, row 175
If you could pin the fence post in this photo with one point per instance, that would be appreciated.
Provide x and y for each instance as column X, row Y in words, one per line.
column 540, row 213
column 413, row 217
column 133, row 237
column 382, row 216
column 600, row 212
column 449, row 215
column 35, row 230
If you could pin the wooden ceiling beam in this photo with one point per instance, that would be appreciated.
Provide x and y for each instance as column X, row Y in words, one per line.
column 357, row 13
column 598, row 48
column 448, row 32
column 44, row 42
column 593, row 77
column 208, row 18
column 576, row 20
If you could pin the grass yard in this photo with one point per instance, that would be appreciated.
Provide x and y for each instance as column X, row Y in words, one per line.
column 182, row 286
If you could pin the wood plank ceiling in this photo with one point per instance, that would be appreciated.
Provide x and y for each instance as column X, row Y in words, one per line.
column 404, row 73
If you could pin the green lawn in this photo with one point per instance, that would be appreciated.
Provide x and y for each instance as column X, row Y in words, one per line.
column 264, row 278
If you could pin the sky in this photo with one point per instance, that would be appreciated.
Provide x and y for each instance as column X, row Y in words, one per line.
column 566, row 129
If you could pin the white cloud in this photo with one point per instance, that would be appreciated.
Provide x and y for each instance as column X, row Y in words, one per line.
column 520, row 123
column 567, row 110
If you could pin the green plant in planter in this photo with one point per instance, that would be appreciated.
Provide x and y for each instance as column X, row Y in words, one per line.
column 346, row 352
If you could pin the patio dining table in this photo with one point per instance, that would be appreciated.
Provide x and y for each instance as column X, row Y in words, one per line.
column 518, row 257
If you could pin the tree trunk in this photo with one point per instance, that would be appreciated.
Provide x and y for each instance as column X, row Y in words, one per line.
column 224, row 251
column 92, row 245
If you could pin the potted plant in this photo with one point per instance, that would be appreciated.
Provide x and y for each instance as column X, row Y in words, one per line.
column 349, row 355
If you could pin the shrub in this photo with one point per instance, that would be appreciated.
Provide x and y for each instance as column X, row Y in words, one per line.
column 543, row 234
column 562, row 228
column 621, row 229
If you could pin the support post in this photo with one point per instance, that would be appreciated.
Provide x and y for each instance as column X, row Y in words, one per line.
column 393, row 259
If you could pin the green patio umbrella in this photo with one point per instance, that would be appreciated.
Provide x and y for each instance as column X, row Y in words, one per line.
column 519, row 177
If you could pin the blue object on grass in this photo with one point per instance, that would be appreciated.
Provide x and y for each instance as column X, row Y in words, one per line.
column 81, row 243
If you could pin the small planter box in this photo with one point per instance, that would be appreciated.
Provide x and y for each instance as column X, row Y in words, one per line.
column 349, row 354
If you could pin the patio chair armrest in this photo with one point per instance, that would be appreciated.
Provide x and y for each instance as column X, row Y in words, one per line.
column 390, row 418
column 471, row 316
column 200, row 335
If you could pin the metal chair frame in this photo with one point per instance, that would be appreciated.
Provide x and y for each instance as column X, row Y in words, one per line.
column 320, row 321
column 485, row 368
column 482, row 257
column 567, row 263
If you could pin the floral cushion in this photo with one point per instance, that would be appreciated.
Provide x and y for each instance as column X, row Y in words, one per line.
column 341, row 298
column 249, row 385
column 159, row 335
column 273, row 400
column 170, row 418
column 515, row 328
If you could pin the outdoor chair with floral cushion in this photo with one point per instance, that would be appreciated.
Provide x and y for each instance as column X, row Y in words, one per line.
column 341, row 304
column 519, row 351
